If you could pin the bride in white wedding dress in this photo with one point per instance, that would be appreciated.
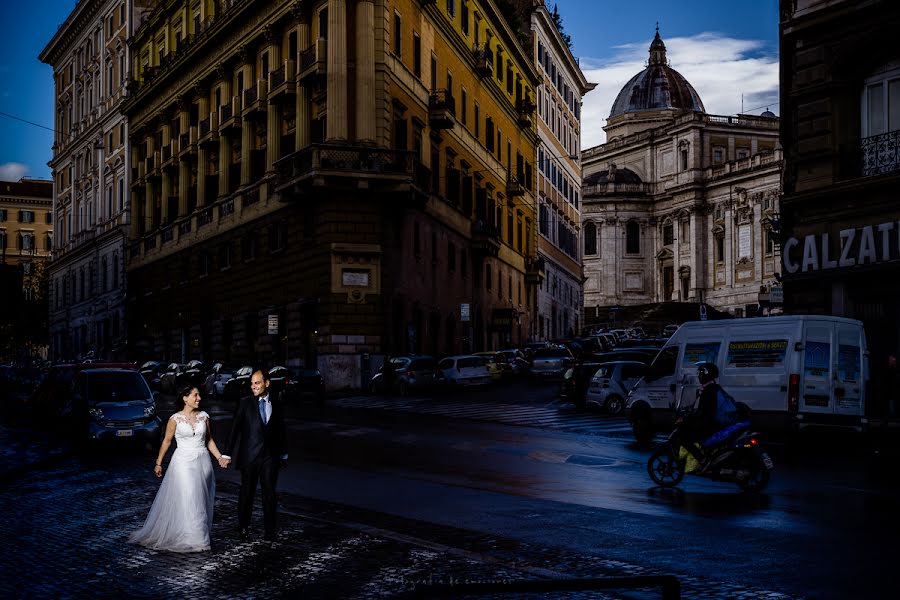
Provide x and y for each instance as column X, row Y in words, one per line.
column 181, row 516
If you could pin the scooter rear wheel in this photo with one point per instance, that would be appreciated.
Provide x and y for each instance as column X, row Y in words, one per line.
column 664, row 467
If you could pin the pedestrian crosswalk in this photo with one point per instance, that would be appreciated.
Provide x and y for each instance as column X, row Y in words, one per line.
column 551, row 416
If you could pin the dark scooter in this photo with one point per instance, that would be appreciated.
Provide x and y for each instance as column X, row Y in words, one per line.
column 735, row 456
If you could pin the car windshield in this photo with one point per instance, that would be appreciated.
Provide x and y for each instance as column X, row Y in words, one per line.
column 116, row 387
column 423, row 364
column 474, row 361
column 552, row 353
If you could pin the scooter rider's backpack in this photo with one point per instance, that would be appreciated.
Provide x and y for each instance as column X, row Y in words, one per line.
column 726, row 408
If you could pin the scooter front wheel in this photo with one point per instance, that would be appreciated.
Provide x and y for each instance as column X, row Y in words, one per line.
column 664, row 467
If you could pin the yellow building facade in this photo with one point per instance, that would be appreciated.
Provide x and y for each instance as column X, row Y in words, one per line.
column 321, row 183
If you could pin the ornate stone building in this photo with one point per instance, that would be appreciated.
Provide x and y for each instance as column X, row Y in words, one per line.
column 26, row 240
column 559, row 299
column 322, row 182
column 840, row 94
column 679, row 205
column 90, row 163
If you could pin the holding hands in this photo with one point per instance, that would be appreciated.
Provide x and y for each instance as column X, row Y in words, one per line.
column 224, row 461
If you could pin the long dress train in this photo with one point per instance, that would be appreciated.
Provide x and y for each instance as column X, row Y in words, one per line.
column 180, row 518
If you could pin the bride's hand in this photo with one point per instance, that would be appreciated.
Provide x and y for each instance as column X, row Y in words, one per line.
column 158, row 470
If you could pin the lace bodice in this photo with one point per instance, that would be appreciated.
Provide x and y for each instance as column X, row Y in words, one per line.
column 188, row 435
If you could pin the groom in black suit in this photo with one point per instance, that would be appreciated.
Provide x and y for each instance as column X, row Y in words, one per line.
column 258, row 443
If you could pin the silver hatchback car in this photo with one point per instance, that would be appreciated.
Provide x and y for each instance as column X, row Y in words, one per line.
column 611, row 383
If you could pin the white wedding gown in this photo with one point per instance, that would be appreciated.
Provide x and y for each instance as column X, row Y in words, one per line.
column 181, row 516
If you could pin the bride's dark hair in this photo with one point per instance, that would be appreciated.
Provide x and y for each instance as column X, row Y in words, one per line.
column 184, row 390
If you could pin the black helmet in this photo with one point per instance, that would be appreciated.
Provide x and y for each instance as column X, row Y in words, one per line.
column 707, row 371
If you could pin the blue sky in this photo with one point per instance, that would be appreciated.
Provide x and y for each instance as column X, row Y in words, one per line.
column 724, row 48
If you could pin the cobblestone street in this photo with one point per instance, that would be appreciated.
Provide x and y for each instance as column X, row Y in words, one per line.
column 67, row 520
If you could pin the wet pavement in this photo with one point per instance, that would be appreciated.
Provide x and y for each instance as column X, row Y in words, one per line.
column 67, row 517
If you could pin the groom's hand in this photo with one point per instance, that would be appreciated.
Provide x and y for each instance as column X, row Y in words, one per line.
column 224, row 462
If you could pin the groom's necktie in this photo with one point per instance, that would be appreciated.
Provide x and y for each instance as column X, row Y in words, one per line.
column 262, row 409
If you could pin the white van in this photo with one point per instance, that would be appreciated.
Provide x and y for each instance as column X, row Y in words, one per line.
column 792, row 372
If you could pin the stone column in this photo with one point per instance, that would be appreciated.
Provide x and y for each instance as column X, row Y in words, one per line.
column 184, row 165
column 365, row 71
column 166, row 192
column 275, row 111
column 135, row 216
column 149, row 205
column 246, row 144
column 224, row 162
column 202, row 152
column 336, row 101
column 301, row 132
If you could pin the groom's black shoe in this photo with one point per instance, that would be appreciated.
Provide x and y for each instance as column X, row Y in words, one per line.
column 244, row 533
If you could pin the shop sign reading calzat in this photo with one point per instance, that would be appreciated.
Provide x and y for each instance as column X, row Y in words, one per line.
column 860, row 246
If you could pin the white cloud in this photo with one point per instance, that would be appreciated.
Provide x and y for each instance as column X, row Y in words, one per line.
column 719, row 67
column 12, row 171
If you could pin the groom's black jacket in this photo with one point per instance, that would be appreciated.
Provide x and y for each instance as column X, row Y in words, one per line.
column 250, row 438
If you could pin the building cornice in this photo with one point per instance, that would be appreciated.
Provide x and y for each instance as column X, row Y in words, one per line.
column 84, row 13
column 561, row 49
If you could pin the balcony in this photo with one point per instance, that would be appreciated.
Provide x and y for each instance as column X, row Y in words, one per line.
column 484, row 60
column 441, row 110
column 209, row 131
column 138, row 174
column 187, row 143
column 352, row 165
column 313, row 63
column 151, row 166
column 204, row 217
column 880, row 153
column 513, row 187
column 167, row 234
column 170, row 156
column 485, row 239
column 231, row 116
column 256, row 100
column 534, row 271
column 282, row 83
column 226, row 208
column 525, row 111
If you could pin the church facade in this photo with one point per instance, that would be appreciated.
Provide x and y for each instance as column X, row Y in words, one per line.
column 679, row 204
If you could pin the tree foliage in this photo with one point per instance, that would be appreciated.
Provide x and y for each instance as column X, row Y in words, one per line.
column 557, row 20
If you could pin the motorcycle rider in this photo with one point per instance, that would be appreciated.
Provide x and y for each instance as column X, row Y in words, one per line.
column 704, row 421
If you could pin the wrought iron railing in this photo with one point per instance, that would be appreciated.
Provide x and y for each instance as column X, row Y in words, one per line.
column 277, row 76
column 204, row 217
column 184, row 227
column 226, row 208
column 167, row 234
column 880, row 153
column 343, row 158
column 441, row 100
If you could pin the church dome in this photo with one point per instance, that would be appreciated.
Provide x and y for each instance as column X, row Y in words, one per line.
column 768, row 114
column 658, row 87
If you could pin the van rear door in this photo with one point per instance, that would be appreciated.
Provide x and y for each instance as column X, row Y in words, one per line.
column 849, row 380
column 816, row 377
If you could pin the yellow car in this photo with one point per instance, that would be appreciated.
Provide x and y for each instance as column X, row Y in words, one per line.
column 496, row 363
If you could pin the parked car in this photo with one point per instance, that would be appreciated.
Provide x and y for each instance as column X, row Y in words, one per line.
column 465, row 370
column 611, row 383
column 295, row 383
column 497, row 364
column 238, row 385
column 517, row 361
column 52, row 398
column 550, row 363
column 110, row 404
column 214, row 385
column 577, row 378
column 411, row 373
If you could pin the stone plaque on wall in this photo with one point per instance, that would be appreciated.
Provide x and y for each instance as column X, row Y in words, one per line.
column 665, row 159
column 634, row 281
column 720, row 276
column 745, row 235
column 745, row 274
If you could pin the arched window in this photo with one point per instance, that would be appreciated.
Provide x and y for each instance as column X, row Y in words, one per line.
column 590, row 239
column 632, row 238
